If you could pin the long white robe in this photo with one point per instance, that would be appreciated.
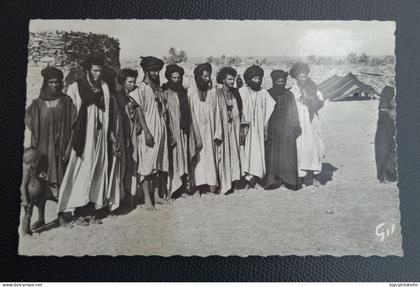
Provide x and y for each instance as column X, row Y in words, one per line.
column 151, row 159
column 229, row 150
column 257, row 109
column 86, row 178
column 310, row 148
column 207, row 115
column 185, row 148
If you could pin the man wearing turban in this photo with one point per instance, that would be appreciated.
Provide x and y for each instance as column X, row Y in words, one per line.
column 309, row 100
column 205, row 110
column 257, row 108
column 185, row 140
column 282, row 132
column 49, row 119
column 152, row 146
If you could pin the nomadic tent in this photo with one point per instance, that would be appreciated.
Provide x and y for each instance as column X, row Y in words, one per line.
column 345, row 88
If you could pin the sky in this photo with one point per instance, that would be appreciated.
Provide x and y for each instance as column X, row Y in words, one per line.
column 203, row 38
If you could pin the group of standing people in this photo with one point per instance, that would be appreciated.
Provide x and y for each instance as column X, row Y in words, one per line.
column 103, row 148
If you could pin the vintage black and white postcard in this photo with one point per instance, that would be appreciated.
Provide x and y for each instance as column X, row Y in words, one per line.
column 210, row 137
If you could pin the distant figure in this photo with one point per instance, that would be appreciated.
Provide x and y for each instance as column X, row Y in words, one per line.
column 184, row 135
column 385, row 148
column 231, row 111
column 309, row 100
column 283, row 131
column 257, row 108
column 206, row 110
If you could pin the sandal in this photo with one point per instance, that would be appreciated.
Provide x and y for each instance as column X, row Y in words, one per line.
column 81, row 221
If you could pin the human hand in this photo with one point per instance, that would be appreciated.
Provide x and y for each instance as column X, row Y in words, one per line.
column 150, row 141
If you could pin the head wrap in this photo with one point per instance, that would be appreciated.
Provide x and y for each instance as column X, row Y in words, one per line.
column 200, row 68
column 178, row 88
column 51, row 73
column 299, row 68
column 198, row 71
column 150, row 63
column 253, row 71
column 278, row 74
column 173, row 68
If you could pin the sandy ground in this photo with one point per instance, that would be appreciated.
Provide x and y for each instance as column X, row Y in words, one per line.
column 339, row 218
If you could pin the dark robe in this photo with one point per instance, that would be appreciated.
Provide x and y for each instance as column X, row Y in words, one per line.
column 116, row 127
column 385, row 147
column 50, row 134
column 282, row 132
column 130, row 129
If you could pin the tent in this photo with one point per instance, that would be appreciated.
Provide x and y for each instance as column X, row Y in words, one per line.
column 345, row 88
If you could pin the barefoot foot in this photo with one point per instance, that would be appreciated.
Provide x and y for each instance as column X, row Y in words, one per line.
column 37, row 224
column 149, row 207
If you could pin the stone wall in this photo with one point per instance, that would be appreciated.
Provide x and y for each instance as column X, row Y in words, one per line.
column 61, row 49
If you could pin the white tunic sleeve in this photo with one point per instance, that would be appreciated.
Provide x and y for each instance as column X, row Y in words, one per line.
column 138, row 96
column 73, row 93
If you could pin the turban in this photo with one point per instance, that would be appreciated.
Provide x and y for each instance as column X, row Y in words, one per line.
column 201, row 68
column 299, row 68
column 151, row 63
column 52, row 73
column 253, row 71
column 278, row 74
column 172, row 68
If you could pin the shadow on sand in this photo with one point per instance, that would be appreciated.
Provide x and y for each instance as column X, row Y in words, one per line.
column 327, row 173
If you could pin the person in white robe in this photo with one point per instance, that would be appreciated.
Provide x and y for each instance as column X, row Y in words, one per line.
column 153, row 163
column 87, row 185
column 184, row 135
column 257, row 108
column 205, row 108
column 310, row 147
column 231, row 111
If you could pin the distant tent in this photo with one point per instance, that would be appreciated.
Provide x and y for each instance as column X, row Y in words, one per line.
column 345, row 88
